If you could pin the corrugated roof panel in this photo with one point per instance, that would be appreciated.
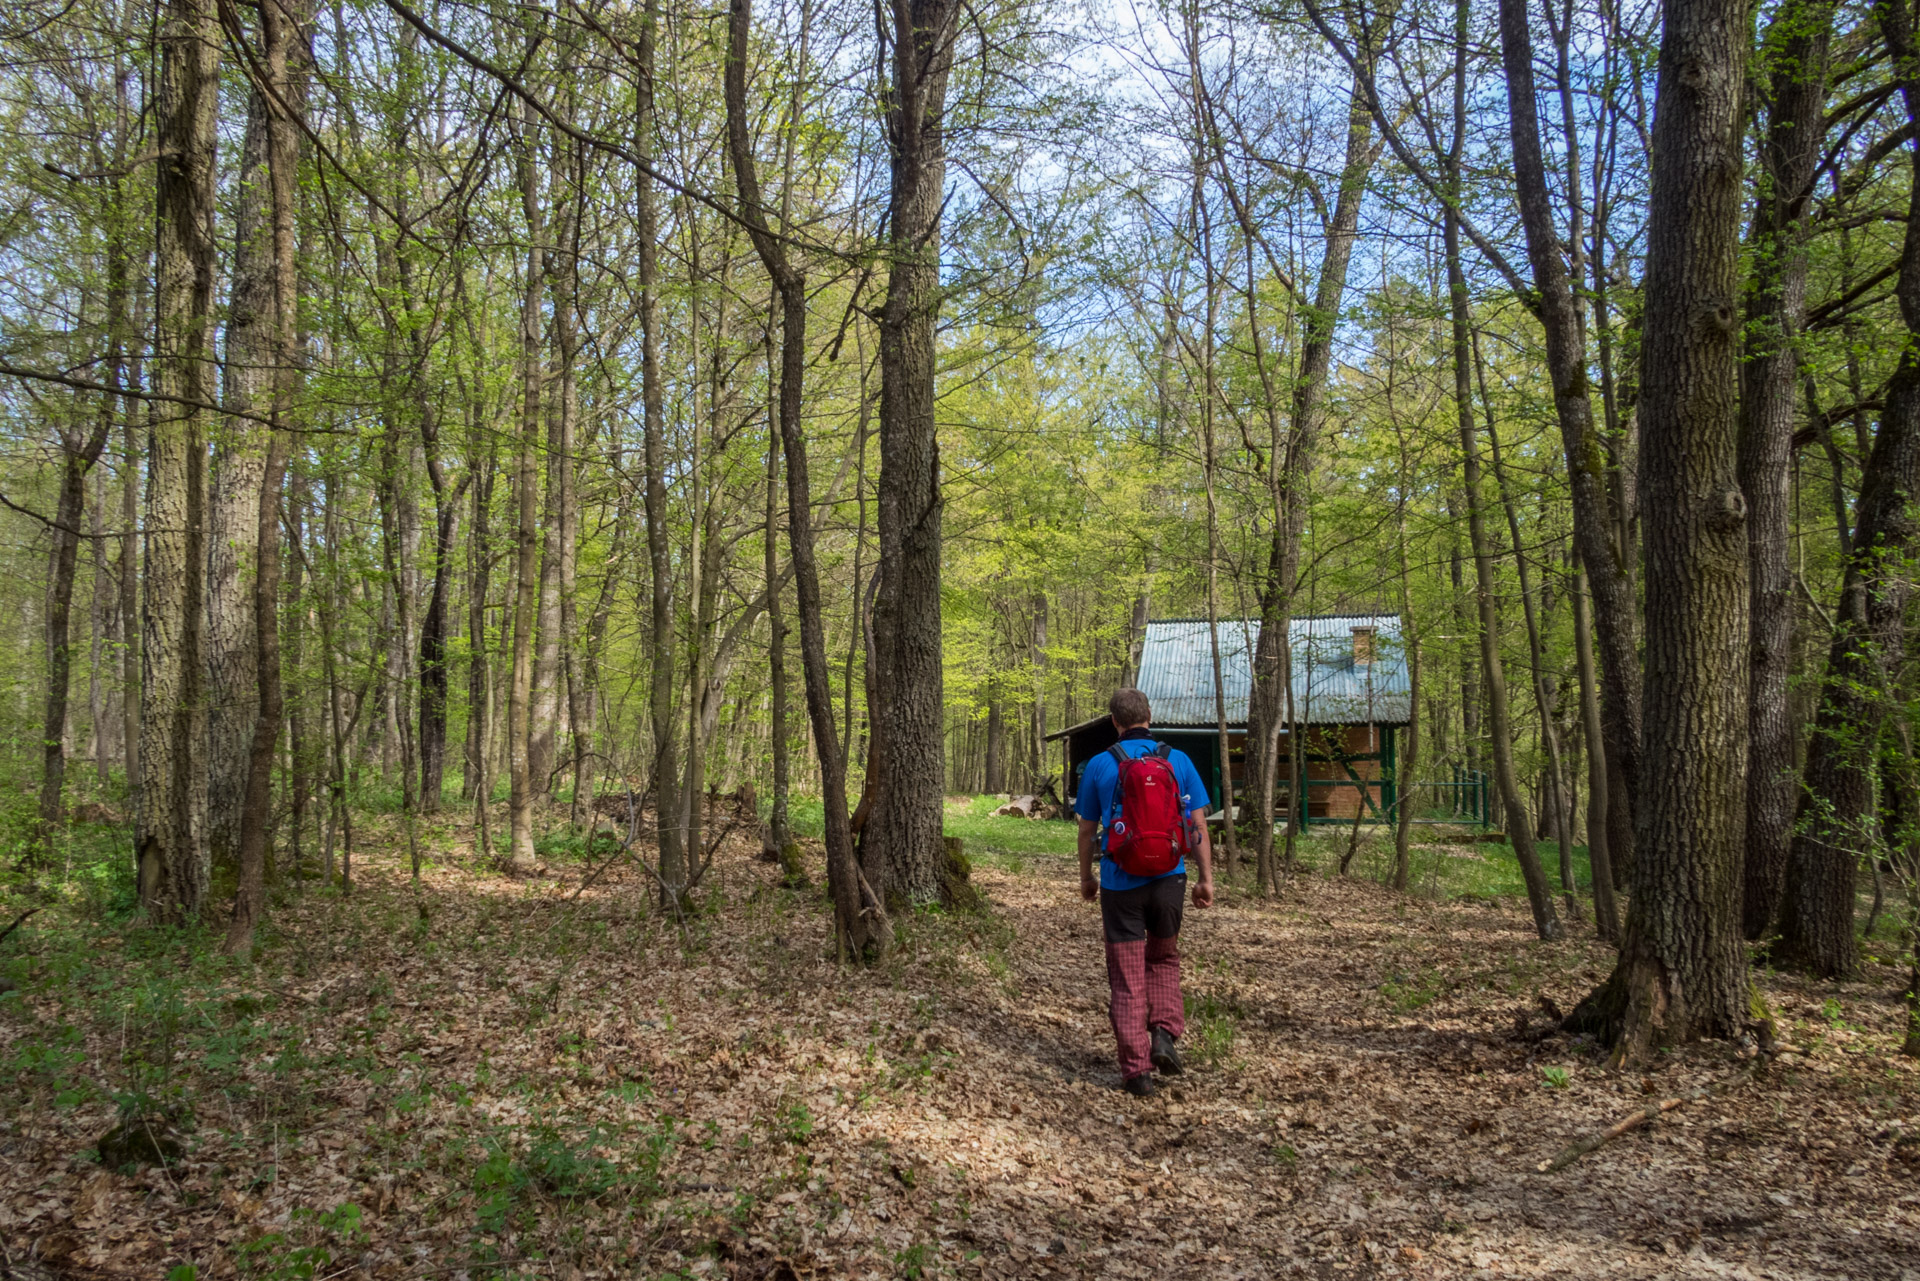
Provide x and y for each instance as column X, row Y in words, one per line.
column 1330, row 687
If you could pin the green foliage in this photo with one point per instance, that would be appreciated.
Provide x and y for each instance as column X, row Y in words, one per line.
column 914, row 1260
column 564, row 845
column 796, row 1123
column 587, row 1164
column 1412, row 993
column 307, row 1249
column 1557, row 1078
column 1213, row 1025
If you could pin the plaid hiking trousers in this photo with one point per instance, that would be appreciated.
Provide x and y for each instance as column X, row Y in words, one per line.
column 1142, row 927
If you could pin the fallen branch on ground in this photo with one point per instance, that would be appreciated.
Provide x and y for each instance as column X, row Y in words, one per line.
column 1634, row 1120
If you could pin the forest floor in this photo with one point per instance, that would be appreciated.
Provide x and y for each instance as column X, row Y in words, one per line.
column 478, row 1076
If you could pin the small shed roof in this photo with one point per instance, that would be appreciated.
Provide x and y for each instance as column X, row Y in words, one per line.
column 1330, row 686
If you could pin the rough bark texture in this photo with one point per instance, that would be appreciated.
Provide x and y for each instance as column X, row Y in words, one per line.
column 1794, row 63
column 1836, row 817
column 233, row 512
column 1595, row 526
column 902, row 838
column 1682, row 968
column 170, row 840
column 280, row 37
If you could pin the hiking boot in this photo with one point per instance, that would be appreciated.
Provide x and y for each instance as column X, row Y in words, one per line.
column 1164, row 1056
column 1142, row 1086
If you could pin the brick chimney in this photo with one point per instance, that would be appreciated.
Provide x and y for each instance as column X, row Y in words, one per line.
column 1362, row 646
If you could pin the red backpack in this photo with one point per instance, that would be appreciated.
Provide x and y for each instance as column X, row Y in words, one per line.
column 1147, row 826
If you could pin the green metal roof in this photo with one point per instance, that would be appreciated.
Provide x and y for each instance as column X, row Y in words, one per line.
column 1329, row 686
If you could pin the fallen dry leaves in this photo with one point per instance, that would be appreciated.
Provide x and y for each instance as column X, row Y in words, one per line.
column 506, row 1083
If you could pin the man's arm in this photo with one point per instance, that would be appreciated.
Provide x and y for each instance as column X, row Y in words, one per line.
column 1089, row 887
column 1203, row 888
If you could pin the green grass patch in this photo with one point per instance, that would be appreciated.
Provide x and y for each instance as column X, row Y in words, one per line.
column 1447, row 867
column 1004, row 842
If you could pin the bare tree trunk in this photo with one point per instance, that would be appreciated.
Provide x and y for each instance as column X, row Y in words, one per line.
column 239, row 471
column 1407, row 762
column 284, row 92
column 778, row 831
column 1682, row 968
column 299, row 744
column 903, row 853
column 1794, row 60
column 526, row 535
column 1556, row 780
column 659, row 550
column 1290, row 467
column 996, row 768
column 78, row 454
column 1606, row 910
column 1837, row 811
column 1499, row 728
column 563, row 465
column 1539, row 894
column 130, row 620
column 1039, row 660
column 170, row 843
column 861, row 925
column 1608, row 558
column 339, row 812
column 433, row 626
column 99, row 614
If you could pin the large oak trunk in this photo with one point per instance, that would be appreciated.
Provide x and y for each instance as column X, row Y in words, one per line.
column 170, row 840
column 901, row 844
column 1682, row 968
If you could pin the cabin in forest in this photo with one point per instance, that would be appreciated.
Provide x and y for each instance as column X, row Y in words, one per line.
column 1350, row 695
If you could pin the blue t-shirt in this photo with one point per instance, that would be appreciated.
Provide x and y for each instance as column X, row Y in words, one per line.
column 1095, row 799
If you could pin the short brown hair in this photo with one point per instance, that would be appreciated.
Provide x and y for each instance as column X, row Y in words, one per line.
column 1129, row 707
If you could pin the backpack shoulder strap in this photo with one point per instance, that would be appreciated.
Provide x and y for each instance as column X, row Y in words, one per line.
column 1119, row 757
column 1163, row 751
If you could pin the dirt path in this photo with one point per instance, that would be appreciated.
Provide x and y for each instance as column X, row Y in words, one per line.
column 1384, row 1107
column 506, row 1084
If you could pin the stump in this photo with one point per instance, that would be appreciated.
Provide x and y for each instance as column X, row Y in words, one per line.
column 956, row 878
column 793, row 866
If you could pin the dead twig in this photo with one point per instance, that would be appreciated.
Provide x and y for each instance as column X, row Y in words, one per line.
column 1634, row 1120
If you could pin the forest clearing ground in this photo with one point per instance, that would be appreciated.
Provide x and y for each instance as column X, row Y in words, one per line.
column 508, row 1083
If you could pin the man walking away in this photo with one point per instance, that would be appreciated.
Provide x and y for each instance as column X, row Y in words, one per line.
column 1145, row 805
